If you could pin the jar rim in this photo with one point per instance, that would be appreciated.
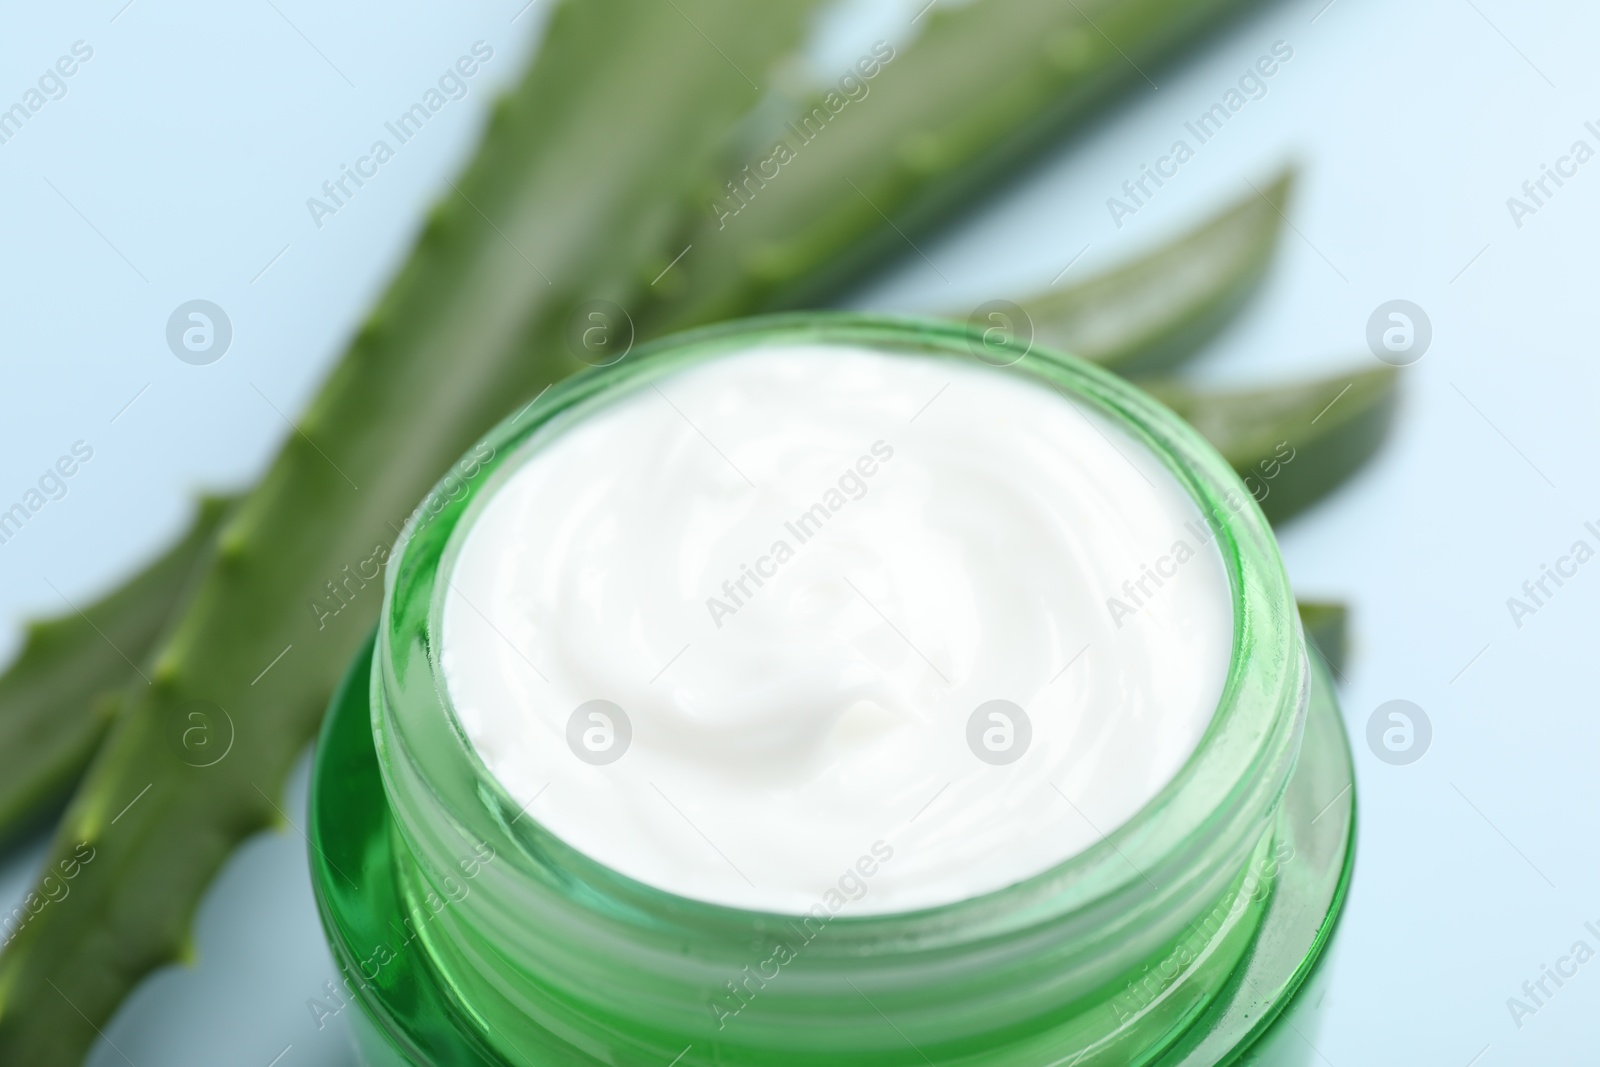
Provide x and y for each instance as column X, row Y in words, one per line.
column 1239, row 763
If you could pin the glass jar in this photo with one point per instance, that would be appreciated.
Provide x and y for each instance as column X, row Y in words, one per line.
column 468, row 933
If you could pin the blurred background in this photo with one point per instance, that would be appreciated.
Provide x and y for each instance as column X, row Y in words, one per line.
column 176, row 166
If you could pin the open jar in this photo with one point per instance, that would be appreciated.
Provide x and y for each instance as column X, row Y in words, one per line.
column 474, row 922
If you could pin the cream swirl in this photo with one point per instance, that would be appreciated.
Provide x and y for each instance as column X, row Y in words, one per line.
column 803, row 573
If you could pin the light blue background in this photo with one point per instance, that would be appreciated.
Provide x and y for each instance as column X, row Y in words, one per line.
column 193, row 137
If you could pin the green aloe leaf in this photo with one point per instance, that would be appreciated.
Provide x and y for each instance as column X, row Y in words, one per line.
column 952, row 113
column 1153, row 313
column 1075, row 69
column 1327, row 628
column 581, row 178
column 1293, row 444
column 58, row 697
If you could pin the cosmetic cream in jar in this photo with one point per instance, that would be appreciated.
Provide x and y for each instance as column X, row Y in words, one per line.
column 833, row 690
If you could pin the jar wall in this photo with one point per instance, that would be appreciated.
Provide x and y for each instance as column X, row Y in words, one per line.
column 544, row 954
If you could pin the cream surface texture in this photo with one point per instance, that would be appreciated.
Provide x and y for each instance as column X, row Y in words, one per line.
column 815, row 625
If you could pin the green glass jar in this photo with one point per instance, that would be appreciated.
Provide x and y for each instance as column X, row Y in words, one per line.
column 469, row 933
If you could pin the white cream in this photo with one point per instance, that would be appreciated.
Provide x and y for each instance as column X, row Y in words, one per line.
column 980, row 529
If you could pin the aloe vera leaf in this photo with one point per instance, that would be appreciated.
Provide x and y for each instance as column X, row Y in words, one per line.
column 58, row 697
column 1143, row 317
column 1075, row 70
column 1326, row 625
column 1293, row 444
column 958, row 109
column 583, row 172
column 1153, row 313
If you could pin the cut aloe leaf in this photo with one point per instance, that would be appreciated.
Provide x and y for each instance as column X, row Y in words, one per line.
column 58, row 697
column 580, row 180
column 1074, row 70
column 959, row 106
column 1326, row 625
column 1153, row 313
column 1293, row 444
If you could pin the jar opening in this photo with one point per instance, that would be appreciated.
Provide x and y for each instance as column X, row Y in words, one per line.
column 817, row 624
